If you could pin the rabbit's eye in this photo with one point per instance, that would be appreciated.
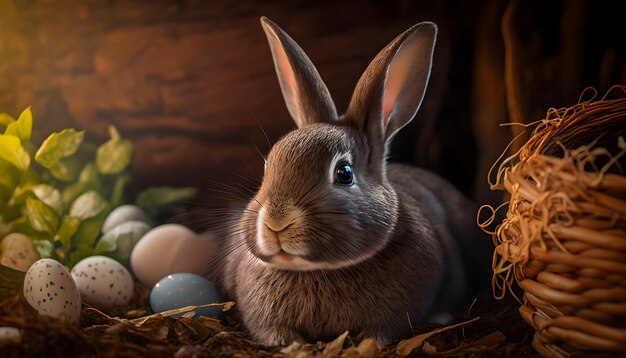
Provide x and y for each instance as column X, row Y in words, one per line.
column 344, row 175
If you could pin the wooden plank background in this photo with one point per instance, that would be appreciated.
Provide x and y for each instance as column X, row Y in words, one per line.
column 189, row 80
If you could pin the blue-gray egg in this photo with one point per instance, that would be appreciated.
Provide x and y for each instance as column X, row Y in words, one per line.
column 186, row 289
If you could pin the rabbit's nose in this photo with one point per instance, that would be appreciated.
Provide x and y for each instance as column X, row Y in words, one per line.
column 276, row 232
column 277, row 226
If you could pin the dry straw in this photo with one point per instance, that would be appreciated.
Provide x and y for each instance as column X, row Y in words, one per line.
column 563, row 240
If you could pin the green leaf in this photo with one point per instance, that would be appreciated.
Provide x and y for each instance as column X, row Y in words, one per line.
column 59, row 145
column 119, row 242
column 66, row 169
column 89, row 230
column 88, row 205
column 10, row 280
column 50, row 196
column 42, row 217
column 80, row 253
column 115, row 155
column 18, row 199
column 68, row 228
column 30, row 177
column 117, row 194
column 89, row 174
column 159, row 200
column 12, row 151
column 6, row 119
column 9, row 179
column 88, row 179
column 23, row 127
column 4, row 227
column 22, row 225
column 43, row 247
column 73, row 191
column 108, row 245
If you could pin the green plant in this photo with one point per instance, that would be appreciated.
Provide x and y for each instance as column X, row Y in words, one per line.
column 60, row 192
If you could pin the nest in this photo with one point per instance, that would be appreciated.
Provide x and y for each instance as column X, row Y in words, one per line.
column 499, row 332
column 563, row 240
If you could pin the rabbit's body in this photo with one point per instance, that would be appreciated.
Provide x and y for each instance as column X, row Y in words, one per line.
column 336, row 239
column 417, row 275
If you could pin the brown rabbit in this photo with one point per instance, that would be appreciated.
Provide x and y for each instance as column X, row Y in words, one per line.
column 336, row 239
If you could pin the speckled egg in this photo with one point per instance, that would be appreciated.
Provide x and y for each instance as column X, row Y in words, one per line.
column 10, row 334
column 103, row 282
column 168, row 249
column 186, row 289
column 50, row 290
column 122, row 214
column 17, row 252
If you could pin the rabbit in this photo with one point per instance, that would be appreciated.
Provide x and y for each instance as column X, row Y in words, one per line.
column 336, row 239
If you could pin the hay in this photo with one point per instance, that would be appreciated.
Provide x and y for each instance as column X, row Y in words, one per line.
column 500, row 332
column 563, row 240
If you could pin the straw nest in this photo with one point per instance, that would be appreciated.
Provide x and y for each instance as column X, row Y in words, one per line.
column 563, row 240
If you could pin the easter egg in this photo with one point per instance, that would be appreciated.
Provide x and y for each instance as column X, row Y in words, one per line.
column 103, row 282
column 17, row 252
column 186, row 289
column 168, row 249
column 119, row 242
column 50, row 290
column 10, row 334
column 122, row 214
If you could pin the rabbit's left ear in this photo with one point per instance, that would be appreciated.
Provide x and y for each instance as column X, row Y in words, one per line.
column 305, row 94
column 391, row 89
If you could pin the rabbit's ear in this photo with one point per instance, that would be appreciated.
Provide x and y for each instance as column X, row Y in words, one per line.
column 391, row 89
column 306, row 95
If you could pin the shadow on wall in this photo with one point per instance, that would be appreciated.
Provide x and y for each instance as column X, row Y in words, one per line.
column 188, row 80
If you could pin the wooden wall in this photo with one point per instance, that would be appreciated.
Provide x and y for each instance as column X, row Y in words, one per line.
column 188, row 80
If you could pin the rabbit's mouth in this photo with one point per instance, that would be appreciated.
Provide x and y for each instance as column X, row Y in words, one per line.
column 283, row 255
column 285, row 261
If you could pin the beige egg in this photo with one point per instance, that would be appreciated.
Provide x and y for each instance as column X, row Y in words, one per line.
column 18, row 252
column 49, row 289
column 169, row 249
column 122, row 214
column 9, row 335
column 103, row 282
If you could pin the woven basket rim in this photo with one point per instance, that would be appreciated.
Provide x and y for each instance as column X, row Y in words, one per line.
column 563, row 240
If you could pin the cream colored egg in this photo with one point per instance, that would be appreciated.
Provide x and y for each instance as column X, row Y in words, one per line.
column 10, row 335
column 18, row 252
column 122, row 214
column 50, row 289
column 168, row 249
column 103, row 282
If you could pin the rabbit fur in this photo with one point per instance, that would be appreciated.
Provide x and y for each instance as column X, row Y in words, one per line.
column 308, row 258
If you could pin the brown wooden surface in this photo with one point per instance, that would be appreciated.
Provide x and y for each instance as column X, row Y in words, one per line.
column 188, row 80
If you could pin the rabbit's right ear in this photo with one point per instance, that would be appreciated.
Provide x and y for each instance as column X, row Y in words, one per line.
column 305, row 94
column 391, row 89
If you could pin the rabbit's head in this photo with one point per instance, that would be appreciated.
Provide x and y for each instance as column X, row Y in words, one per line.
column 325, row 201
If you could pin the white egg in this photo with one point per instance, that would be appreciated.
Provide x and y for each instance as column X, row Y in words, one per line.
column 103, row 282
column 18, row 252
column 50, row 290
column 168, row 249
column 10, row 334
column 122, row 214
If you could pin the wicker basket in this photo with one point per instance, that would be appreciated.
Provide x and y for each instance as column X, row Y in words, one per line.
column 563, row 240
